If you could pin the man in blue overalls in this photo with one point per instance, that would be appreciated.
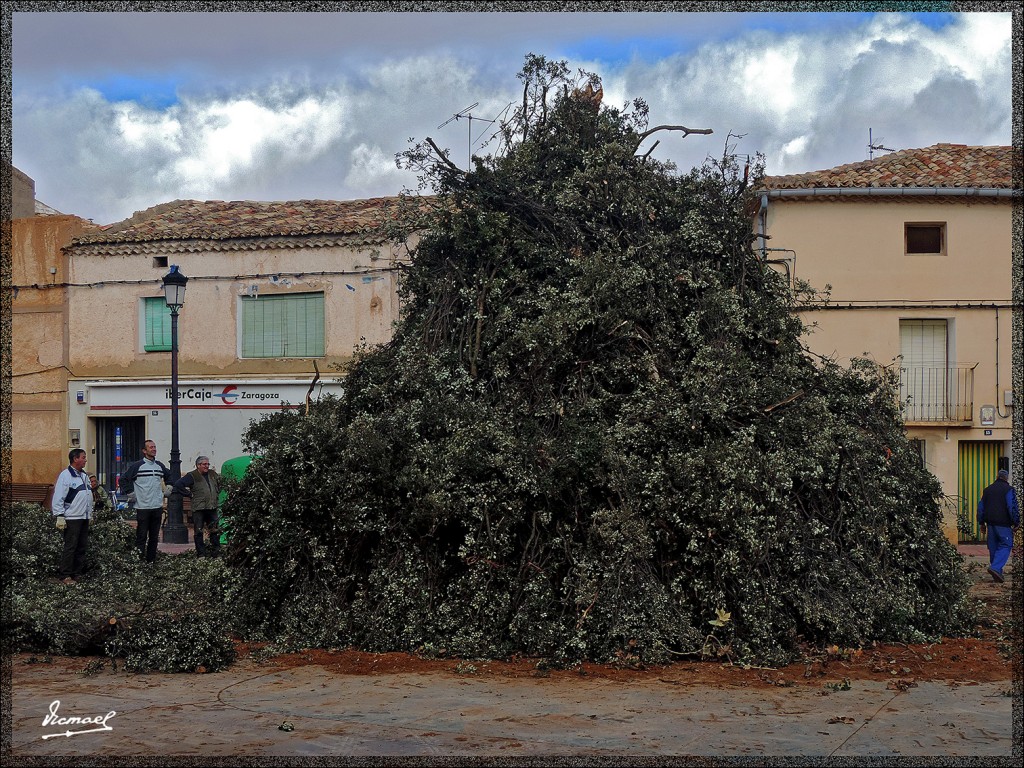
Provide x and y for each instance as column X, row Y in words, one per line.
column 999, row 512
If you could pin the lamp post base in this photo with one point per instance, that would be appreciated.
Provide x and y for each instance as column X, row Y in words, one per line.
column 175, row 532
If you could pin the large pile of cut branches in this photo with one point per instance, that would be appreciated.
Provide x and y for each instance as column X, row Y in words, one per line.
column 595, row 435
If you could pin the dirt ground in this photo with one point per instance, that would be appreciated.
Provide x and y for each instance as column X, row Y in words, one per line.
column 982, row 658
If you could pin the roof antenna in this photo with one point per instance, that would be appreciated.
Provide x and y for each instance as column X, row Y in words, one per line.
column 467, row 113
column 872, row 146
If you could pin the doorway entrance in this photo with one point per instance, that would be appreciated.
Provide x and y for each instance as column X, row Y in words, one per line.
column 978, row 464
column 119, row 442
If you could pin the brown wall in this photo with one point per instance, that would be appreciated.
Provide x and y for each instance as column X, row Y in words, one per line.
column 39, row 376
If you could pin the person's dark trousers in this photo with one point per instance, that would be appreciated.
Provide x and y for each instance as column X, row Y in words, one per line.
column 76, row 541
column 211, row 520
column 148, row 532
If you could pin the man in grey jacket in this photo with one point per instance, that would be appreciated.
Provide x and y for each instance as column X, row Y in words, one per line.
column 72, row 507
column 203, row 485
column 143, row 482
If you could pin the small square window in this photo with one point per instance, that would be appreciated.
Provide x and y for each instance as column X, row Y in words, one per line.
column 925, row 238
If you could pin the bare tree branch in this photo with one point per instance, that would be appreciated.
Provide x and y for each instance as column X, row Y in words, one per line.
column 681, row 128
column 441, row 155
column 312, row 384
column 526, row 122
column 790, row 399
column 648, row 152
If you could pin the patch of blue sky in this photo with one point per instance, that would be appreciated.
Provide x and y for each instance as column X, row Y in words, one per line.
column 809, row 22
column 685, row 32
column 688, row 32
column 152, row 92
column 934, row 20
column 613, row 51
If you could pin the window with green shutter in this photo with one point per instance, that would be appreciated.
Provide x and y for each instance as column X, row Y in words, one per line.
column 289, row 325
column 158, row 325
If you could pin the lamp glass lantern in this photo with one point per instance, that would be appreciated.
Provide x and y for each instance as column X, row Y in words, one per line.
column 174, row 288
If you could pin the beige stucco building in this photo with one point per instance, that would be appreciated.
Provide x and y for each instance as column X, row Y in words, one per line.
column 914, row 250
column 278, row 294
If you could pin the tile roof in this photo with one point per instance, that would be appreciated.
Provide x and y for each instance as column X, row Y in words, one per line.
column 220, row 225
column 940, row 165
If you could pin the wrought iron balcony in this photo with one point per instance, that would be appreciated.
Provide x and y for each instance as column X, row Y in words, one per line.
column 938, row 394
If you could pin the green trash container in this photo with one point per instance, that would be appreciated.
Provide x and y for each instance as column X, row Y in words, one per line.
column 235, row 469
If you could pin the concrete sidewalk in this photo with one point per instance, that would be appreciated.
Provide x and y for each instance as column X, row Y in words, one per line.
column 240, row 712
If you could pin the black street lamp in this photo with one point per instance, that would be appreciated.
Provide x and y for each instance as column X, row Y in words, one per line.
column 175, row 531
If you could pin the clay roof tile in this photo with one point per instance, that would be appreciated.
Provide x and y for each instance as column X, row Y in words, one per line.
column 940, row 165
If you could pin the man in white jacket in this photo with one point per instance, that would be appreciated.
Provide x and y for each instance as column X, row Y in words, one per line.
column 144, row 481
column 72, row 506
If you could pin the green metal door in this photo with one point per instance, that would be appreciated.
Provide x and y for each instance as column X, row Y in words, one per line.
column 977, row 467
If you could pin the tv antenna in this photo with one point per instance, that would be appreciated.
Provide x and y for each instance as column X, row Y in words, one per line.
column 872, row 146
column 468, row 114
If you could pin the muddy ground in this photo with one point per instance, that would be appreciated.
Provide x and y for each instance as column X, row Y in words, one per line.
column 984, row 657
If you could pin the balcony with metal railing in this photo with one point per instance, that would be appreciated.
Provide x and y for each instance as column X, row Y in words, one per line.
column 934, row 395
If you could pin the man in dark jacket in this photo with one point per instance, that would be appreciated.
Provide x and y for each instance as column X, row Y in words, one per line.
column 203, row 485
column 998, row 511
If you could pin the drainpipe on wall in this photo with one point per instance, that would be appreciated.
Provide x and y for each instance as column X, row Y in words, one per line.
column 763, row 226
column 763, row 233
column 999, row 407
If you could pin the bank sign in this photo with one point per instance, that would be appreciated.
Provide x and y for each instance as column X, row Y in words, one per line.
column 229, row 395
column 108, row 395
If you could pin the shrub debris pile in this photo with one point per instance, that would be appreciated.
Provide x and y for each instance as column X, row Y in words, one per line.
column 596, row 434
column 166, row 616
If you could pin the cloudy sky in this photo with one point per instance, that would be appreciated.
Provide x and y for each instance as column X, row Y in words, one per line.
column 116, row 112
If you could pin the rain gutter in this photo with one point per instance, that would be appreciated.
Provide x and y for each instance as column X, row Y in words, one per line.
column 889, row 192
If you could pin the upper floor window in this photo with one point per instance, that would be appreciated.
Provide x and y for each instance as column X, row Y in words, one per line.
column 156, row 324
column 284, row 325
column 933, row 388
column 928, row 238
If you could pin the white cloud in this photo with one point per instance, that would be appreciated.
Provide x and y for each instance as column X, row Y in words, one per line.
column 228, row 139
column 146, row 130
column 805, row 99
column 370, row 164
column 795, row 147
column 769, row 76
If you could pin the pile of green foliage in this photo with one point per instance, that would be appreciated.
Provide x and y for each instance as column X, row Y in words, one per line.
column 168, row 616
column 595, row 434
